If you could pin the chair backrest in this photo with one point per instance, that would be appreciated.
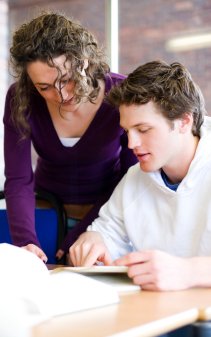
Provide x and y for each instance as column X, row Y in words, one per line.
column 50, row 223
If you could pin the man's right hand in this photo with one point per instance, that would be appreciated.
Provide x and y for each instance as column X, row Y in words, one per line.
column 88, row 250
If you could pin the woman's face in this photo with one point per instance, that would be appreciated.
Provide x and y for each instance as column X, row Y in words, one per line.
column 55, row 87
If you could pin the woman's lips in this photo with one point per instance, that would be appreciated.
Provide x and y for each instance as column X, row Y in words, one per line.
column 68, row 102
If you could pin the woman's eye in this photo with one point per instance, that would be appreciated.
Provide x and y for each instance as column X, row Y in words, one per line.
column 64, row 82
column 43, row 89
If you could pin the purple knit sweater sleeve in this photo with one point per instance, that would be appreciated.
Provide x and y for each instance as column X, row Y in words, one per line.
column 19, row 183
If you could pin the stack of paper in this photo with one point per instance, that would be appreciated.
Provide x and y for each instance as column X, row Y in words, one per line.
column 115, row 276
column 30, row 293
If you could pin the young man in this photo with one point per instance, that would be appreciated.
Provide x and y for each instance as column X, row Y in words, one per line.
column 158, row 220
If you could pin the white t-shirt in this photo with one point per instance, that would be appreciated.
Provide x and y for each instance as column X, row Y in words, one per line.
column 69, row 142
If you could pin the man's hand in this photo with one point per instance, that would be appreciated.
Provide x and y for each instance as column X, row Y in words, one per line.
column 156, row 270
column 37, row 251
column 88, row 250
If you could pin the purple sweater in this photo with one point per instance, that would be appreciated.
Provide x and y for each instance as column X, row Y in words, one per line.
column 83, row 174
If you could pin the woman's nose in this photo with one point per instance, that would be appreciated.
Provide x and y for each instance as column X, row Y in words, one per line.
column 62, row 92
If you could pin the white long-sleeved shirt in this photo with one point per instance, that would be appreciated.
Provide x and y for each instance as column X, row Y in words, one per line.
column 143, row 213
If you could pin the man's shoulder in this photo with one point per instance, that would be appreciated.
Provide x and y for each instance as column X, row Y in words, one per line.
column 207, row 123
column 134, row 185
column 135, row 177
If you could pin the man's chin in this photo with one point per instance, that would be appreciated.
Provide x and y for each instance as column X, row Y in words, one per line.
column 147, row 168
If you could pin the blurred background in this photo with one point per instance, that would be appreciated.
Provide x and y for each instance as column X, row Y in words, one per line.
column 132, row 32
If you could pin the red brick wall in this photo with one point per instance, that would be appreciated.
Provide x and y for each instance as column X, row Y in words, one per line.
column 90, row 13
column 146, row 26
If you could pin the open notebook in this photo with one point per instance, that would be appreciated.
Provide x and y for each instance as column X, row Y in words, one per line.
column 30, row 293
column 115, row 276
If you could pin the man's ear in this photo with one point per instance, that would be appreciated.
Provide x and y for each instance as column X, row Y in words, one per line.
column 186, row 122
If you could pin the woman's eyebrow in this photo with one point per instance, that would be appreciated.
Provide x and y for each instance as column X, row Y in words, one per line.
column 42, row 83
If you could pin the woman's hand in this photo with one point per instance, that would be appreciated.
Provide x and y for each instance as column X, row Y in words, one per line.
column 37, row 251
column 88, row 250
column 59, row 254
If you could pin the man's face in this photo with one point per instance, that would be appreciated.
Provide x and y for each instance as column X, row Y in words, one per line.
column 155, row 141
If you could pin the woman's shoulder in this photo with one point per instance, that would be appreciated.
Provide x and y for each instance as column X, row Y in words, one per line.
column 117, row 77
column 112, row 79
column 11, row 89
column 8, row 101
column 34, row 100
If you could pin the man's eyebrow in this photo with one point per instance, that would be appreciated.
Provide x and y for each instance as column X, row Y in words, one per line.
column 140, row 124
column 136, row 125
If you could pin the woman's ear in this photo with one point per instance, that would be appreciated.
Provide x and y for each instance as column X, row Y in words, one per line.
column 86, row 63
column 84, row 67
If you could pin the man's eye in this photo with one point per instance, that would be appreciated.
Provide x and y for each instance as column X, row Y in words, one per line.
column 143, row 130
column 126, row 131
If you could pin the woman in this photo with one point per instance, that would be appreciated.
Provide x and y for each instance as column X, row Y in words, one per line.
column 57, row 104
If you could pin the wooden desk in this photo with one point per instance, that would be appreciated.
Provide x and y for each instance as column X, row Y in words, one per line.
column 205, row 312
column 138, row 314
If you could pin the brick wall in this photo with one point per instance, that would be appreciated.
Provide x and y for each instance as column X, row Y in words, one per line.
column 146, row 26
column 90, row 13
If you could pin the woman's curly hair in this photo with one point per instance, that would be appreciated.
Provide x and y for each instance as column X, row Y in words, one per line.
column 43, row 38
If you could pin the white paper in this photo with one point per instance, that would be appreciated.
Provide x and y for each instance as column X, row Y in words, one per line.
column 98, row 269
column 76, row 292
column 29, row 293
column 115, row 276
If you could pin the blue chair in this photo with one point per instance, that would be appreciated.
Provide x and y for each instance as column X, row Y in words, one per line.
column 50, row 223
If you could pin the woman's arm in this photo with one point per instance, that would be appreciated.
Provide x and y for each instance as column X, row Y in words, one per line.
column 19, row 184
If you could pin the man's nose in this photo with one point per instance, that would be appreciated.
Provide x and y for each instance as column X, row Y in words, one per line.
column 133, row 141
